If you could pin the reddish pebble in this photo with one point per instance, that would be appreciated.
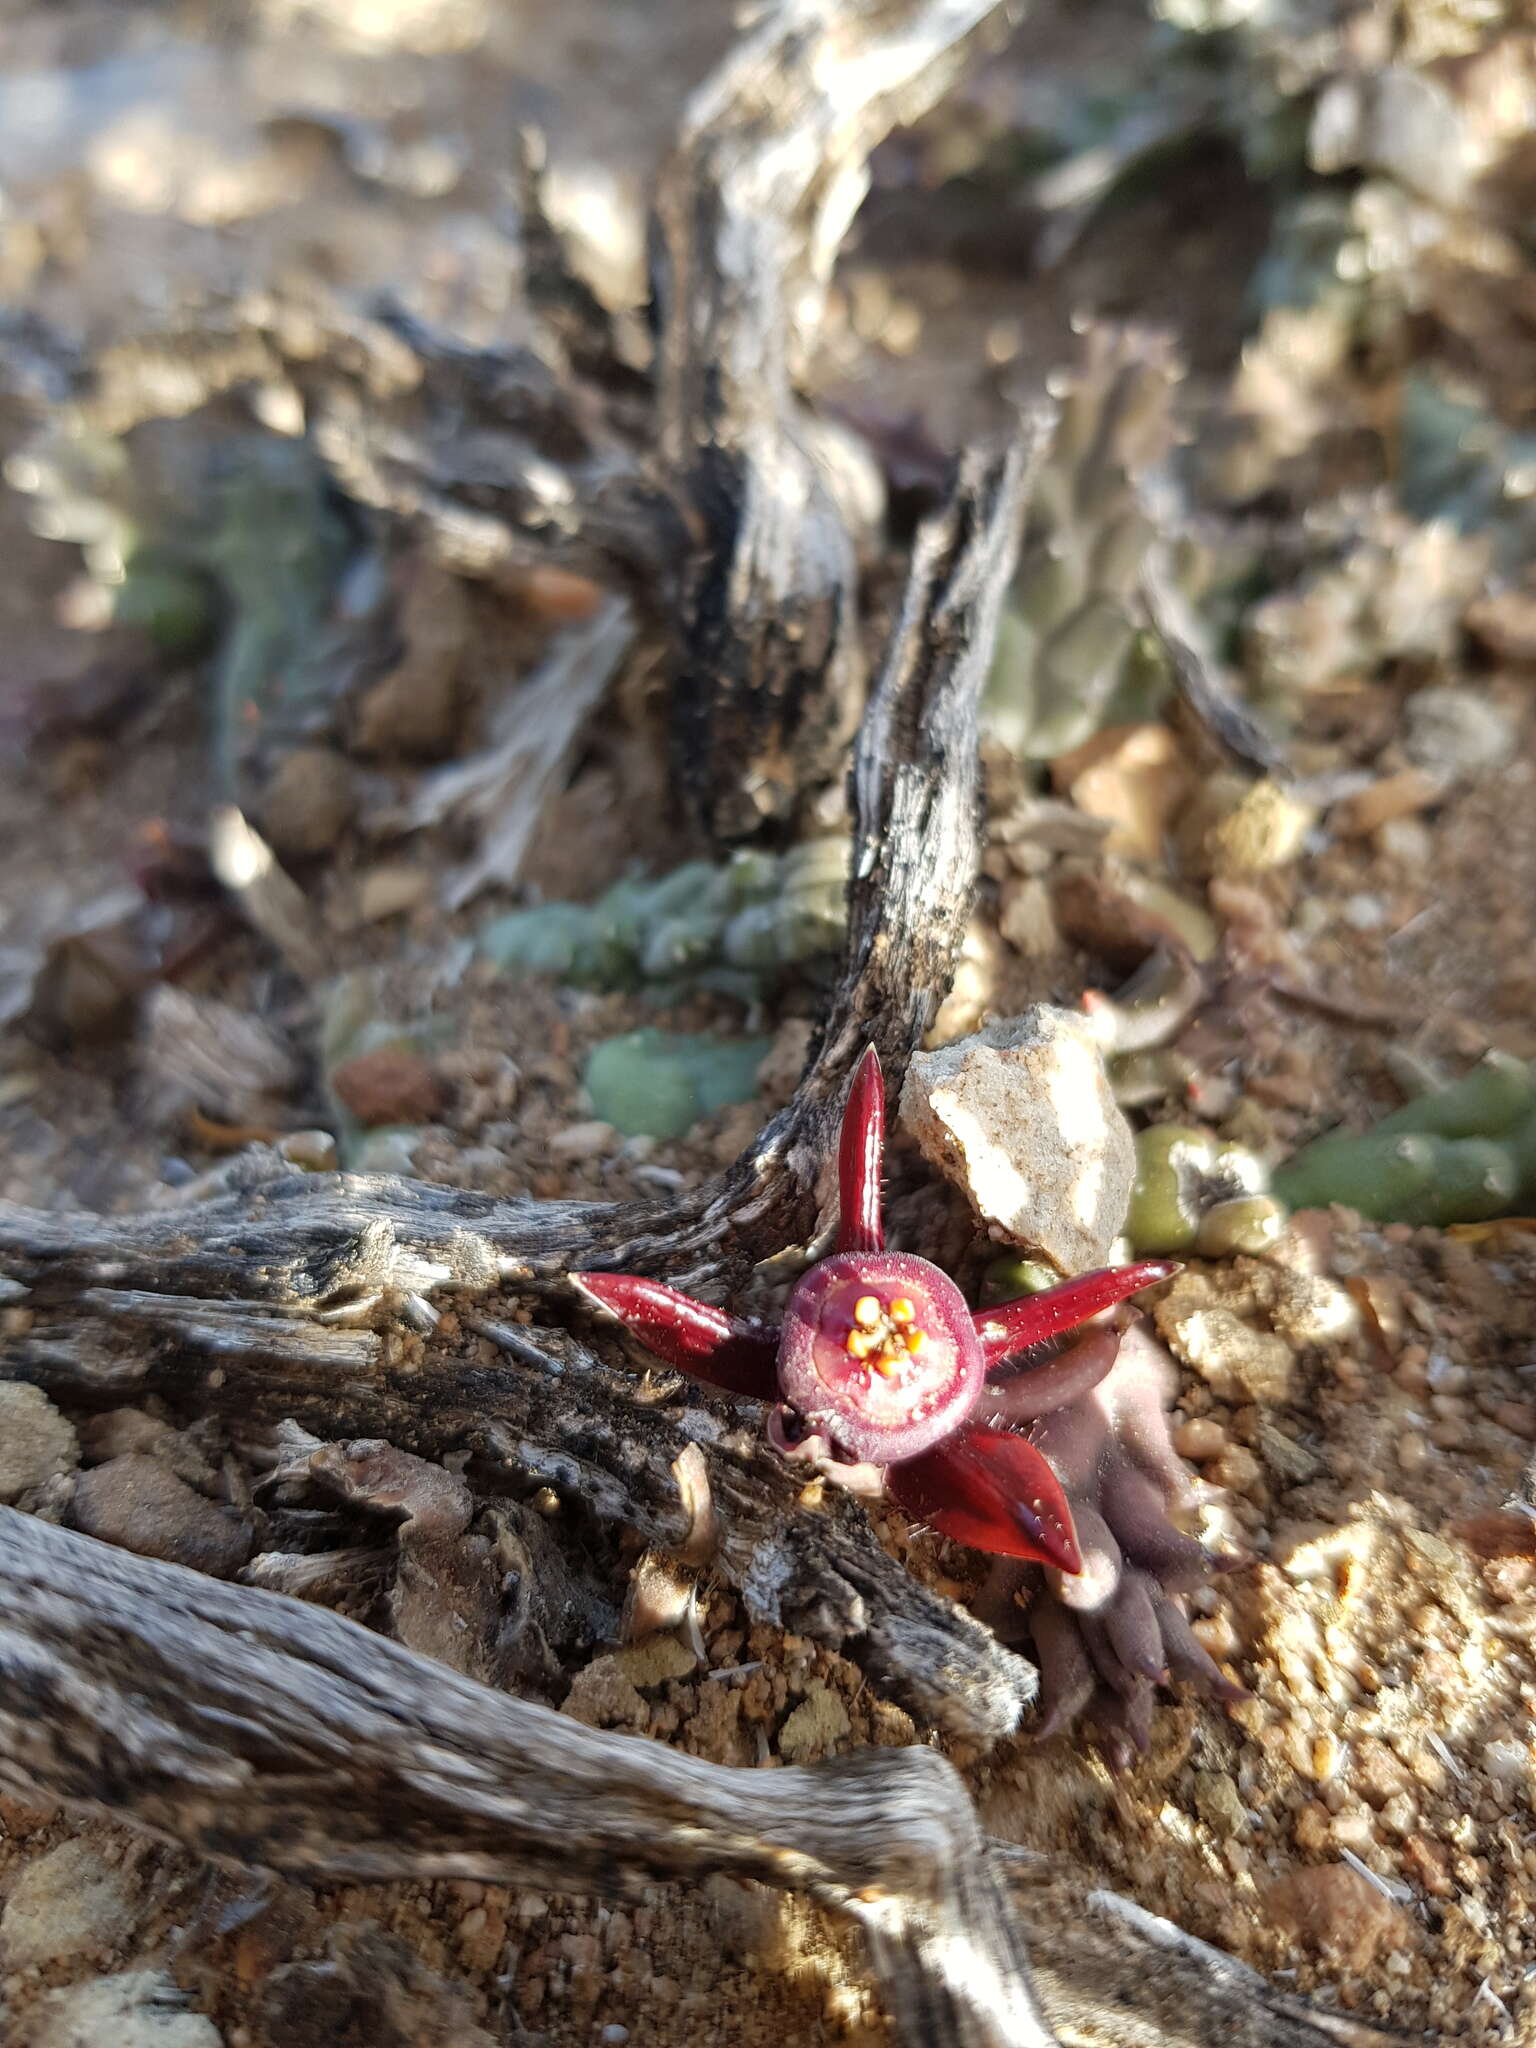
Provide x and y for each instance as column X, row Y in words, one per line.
column 390, row 1085
column 559, row 596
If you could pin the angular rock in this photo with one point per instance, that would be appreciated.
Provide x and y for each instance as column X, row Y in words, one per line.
column 36, row 1441
column 140, row 2009
column 1340, row 1914
column 390, row 1085
column 309, row 803
column 140, row 1505
column 68, row 1903
column 1021, row 1117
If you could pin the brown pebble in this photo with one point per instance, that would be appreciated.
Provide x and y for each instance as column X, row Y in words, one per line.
column 390, row 1085
column 1412, row 1452
column 1334, row 1910
column 1200, row 1439
column 1310, row 1829
column 1394, row 796
column 1237, row 1469
column 559, row 597
column 140, row 1505
column 309, row 803
column 391, row 888
column 1410, row 1374
column 1428, row 1863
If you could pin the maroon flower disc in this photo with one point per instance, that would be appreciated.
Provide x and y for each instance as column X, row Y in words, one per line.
column 880, row 1354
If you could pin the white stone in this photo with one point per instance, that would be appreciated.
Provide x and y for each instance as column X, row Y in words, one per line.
column 141, row 2009
column 36, row 1441
column 68, row 1903
column 1021, row 1117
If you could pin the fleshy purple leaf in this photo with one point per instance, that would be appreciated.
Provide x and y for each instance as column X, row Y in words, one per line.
column 705, row 1342
column 993, row 1490
column 1015, row 1325
column 1040, row 1389
column 861, row 1158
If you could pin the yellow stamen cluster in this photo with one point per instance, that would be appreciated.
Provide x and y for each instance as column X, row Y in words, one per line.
column 884, row 1336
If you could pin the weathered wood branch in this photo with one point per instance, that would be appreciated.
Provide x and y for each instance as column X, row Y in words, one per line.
column 290, row 1285
column 768, row 171
column 1112, row 1975
column 569, row 1422
column 255, row 1730
column 320, row 1241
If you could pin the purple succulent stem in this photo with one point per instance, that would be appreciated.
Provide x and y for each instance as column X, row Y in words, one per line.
column 1036, row 1390
column 860, row 1158
column 1014, row 1326
column 702, row 1341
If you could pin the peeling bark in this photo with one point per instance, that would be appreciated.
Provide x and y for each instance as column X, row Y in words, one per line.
column 254, row 1730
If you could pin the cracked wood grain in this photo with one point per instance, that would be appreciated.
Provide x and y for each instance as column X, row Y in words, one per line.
column 254, row 1730
column 769, row 169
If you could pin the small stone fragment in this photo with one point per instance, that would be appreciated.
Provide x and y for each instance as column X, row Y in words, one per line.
column 603, row 1697
column 1236, row 1361
column 36, row 1441
column 1412, row 1452
column 1200, row 1439
column 1394, row 796
column 1219, row 1804
column 1022, row 1118
column 140, row 1505
column 654, row 1661
column 68, row 1903
column 558, row 597
column 391, row 1148
column 141, row 2009
column 310, row 1151
column 588, row 1140
column 390, row 1085
column 309, row 803
column 1131, row 776
column 1263, row 831
column 1339, row 1913
column 1455, row 731
column 389, row 890
column 1027, row 917
column 815, row 1727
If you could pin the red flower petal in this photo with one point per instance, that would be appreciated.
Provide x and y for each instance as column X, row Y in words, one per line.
column 860, row 1157
column 993, row 1490
column 722, row 1350
column 1016, row 1325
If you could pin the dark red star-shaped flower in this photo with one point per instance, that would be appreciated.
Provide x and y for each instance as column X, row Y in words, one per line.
column 880, row 1362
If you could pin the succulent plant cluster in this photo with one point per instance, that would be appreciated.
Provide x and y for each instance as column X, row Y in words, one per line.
column 984, row 1425
column 1071, row 653
column 1198, row 1193
column 727, row 926
column 1459, row 1154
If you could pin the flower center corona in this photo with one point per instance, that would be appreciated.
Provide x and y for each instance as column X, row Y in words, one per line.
column 885, row 1336
column 880, row 1354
